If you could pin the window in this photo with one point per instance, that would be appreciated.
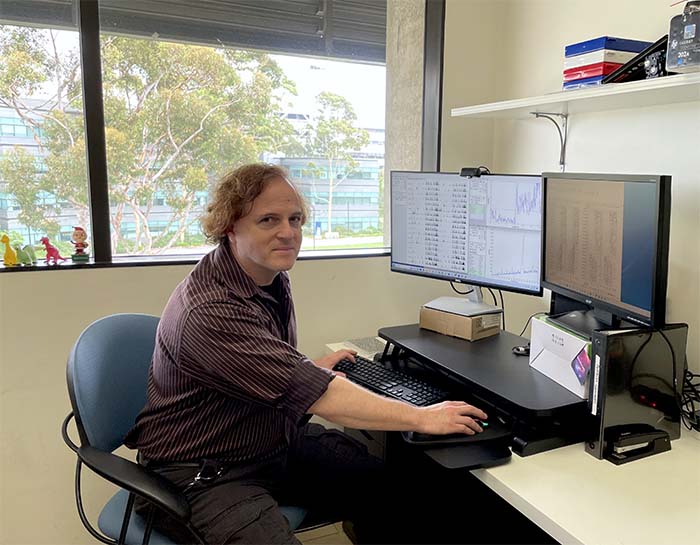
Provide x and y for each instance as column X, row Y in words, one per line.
column 187, row 96
column 42, row 166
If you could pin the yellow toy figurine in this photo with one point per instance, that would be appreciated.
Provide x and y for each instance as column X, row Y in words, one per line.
column 79, row 240
column 10, row 256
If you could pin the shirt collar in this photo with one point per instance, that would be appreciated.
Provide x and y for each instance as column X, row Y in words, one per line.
column 235, row 278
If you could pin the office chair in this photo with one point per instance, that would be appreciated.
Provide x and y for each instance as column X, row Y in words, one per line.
column 107, row 375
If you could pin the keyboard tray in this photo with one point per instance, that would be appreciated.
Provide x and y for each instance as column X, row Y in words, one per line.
column 458, row 451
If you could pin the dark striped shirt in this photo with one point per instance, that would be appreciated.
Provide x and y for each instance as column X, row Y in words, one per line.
column 226, row 379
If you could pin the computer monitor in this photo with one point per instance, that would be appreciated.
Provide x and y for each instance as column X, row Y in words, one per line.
column 485, row 230
column 606, row 246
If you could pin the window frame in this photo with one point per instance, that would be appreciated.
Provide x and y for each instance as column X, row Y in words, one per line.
column 98, row 189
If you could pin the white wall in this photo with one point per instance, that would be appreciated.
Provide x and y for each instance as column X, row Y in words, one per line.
column 42, row 313
column 527, row 39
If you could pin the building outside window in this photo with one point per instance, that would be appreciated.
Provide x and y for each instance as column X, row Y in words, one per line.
column 181, row 107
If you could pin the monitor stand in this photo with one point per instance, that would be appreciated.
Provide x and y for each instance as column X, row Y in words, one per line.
column 585, row 322
column 472, row 305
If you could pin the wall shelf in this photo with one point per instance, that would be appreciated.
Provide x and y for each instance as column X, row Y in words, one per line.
column 678, row 88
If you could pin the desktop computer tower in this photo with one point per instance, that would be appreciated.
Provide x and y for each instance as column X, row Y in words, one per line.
column 636, row 379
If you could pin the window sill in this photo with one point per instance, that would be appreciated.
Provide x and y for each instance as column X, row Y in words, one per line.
column 150, row 261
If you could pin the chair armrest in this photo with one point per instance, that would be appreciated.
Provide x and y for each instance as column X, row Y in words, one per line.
column 137, row 479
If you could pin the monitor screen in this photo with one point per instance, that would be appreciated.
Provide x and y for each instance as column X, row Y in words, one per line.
column 606, row 242
column 485, row 231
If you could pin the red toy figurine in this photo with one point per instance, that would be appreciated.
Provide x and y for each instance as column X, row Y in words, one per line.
column 51, row 252
column 78, row 239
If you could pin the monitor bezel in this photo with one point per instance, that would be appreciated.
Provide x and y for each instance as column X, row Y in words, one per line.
column 479, row 284
column 657, row 316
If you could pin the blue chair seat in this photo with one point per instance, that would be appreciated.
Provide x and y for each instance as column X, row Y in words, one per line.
column 294, row 515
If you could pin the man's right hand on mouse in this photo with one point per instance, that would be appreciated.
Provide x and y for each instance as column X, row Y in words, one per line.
column 451, row 417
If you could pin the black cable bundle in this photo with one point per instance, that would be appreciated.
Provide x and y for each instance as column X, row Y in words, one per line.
column 690, row 401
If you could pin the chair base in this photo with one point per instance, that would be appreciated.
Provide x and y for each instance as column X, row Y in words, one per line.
column 112, row 515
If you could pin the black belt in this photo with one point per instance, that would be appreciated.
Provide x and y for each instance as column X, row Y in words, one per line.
column 208, row 470
column 153, row 464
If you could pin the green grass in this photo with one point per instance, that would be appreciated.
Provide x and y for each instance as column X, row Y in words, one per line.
column 345, row 246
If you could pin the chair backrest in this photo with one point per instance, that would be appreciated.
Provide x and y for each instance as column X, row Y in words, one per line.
column 107, row 377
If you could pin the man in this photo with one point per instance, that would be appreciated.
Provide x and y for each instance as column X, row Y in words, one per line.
column 229, row 393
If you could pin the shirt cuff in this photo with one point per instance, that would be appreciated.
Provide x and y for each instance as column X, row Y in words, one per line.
column 309, row 382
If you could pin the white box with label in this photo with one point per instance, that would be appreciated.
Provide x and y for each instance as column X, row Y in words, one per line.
column 561, row 355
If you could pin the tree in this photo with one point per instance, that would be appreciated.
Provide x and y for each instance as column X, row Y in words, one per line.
column 30, row 61
column 332, row 136
column 177, row 116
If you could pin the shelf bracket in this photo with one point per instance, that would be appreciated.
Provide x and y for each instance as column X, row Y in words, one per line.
column 562, row 129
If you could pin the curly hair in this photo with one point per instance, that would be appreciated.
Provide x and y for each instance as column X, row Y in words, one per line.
column 234, row 194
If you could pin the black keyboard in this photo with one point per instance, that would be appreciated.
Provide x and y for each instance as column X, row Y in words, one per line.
column 390, row 382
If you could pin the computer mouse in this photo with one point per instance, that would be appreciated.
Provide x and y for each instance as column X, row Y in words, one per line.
column 495, row 431
column 521, row 350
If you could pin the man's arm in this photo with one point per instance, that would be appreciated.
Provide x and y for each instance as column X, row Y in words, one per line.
column 350, row 405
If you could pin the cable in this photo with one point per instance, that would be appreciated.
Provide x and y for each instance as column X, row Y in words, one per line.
column 528, row 321
column 639, row 351
column 461, row 292
column 495, row 304
column 503, row 307
column 689, row 392
column 690, row 400
column 689, row 395
column 676, row 393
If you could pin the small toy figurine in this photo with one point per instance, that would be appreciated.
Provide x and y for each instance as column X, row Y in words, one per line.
column 10, row 256
column 23, row 257
column 78, row 239
column 52, row 254
column 29, row 249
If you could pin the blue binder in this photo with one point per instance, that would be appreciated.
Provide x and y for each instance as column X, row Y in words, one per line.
column 605, row 42
column 585, row 82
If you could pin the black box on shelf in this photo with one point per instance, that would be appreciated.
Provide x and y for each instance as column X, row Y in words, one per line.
column 636, row 379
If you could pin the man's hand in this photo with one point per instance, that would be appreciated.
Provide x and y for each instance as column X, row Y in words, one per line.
column 330, row 361
column 451, row 417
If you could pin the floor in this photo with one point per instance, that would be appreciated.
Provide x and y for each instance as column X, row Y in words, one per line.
column 331, row 534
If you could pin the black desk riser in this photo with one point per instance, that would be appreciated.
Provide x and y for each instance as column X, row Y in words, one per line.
column 544, row 414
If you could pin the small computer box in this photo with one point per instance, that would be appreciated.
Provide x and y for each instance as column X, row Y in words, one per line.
column 636, row 377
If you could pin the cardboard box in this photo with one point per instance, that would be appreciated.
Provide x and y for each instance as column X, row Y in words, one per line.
column 561, row 355
column 470, row 328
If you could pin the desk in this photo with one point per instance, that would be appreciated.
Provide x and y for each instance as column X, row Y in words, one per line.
column 579, row 499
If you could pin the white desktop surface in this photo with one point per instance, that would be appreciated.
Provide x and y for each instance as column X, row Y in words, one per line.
column 578, row 499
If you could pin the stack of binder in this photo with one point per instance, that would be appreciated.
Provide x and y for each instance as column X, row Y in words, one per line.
column 587, row 63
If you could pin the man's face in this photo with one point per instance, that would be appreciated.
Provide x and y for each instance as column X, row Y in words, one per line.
column 267, row 240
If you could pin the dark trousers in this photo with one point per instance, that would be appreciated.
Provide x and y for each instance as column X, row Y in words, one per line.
column 325, row 471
